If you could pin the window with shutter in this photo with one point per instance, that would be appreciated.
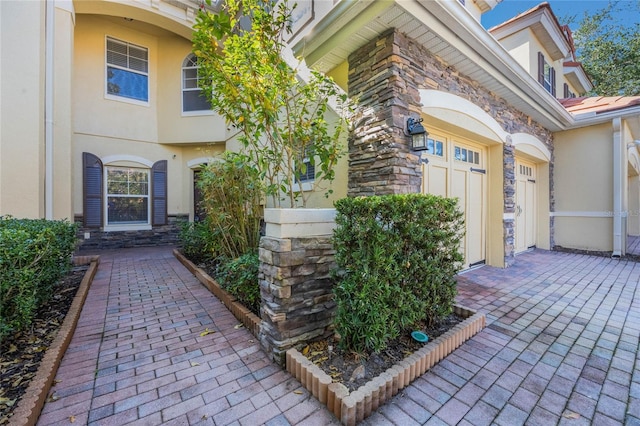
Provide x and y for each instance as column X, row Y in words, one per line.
column 92, row 190
column 159, row 190
column 546, row 74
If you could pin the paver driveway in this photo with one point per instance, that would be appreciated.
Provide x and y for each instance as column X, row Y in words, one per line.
column 561, row 346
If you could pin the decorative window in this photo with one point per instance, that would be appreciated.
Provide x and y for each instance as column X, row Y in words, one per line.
column 435, row 147
column 128, row 197
column 127, row 70
column 193, row 98
column 526, row 170
column 466, row 155
column 546, row 74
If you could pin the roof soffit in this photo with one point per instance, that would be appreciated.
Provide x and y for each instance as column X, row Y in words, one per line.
column 544, row 26
column 448, row 31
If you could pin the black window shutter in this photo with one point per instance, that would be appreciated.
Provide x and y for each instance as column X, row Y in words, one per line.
column 92, row 205
column 540, row 68
column 553, row 81
column 159, row 193
column 566, row 90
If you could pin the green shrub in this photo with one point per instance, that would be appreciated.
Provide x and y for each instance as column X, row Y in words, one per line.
column 232, row 194
column 34, row 255
column 198, row 241
column 398, row 256
column 239, row 277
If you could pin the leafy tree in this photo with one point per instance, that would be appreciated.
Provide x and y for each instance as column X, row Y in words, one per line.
column 281, row 120
column 610, row 50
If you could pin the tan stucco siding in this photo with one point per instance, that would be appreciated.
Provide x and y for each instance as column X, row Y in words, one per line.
column 22, row 112
column 583, row 184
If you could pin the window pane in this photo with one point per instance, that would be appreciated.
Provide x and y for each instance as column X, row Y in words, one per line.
column 127, row 84
column 128, row 210
column 116, row 58
column 194, row 100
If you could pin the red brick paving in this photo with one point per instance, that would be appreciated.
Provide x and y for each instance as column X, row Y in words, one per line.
column 561, row 341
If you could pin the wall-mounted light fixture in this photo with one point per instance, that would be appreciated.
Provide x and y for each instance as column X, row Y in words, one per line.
column 418, row 134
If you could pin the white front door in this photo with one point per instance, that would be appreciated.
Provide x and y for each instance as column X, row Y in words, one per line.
column 525, row 214
column 457, row 169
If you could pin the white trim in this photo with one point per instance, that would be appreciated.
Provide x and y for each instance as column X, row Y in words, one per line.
column 125, row 99
column 527, row 139
column 570, row 213
column 436, row 99
column 109, row 159
column 49, row 94
column 202, row 160
column 133, row 227
column 508, row 216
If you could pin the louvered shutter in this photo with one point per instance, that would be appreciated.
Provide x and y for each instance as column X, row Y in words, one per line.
column 92, row 190
column 159, row 193
column 541, row 68
column 553, row 81
column 566, row 90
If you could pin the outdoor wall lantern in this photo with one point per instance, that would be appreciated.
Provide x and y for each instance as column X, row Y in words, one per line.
column 418, row 134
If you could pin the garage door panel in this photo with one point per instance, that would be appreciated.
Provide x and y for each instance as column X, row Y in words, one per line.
column 437, row 177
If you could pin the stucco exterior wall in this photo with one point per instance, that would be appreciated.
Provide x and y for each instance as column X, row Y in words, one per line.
column 22, row 112
column 584, row 200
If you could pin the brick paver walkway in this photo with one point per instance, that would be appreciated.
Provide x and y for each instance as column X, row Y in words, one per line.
column 561, row 347
column 138, row 356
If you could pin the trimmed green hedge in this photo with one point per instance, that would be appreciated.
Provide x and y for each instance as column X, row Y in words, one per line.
column 34, row 255
column 397, row 256
column 239, row 277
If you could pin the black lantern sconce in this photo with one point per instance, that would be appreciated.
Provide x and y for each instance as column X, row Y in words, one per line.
column 418, row 134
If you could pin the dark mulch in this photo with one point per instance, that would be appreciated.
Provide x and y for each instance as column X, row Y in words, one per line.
column 341, row 365
column 20, row 355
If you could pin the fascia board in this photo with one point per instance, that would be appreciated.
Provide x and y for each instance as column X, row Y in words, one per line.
column 489, row 54
column 591, row 118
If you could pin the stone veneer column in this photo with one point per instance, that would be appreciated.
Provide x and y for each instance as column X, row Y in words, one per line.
column 380, row 160
column 509, row 165
column 295, row 283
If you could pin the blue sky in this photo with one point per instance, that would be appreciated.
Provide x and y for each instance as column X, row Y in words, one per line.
column 507, row 9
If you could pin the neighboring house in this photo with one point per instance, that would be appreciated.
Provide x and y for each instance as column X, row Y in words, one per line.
column 101, row 119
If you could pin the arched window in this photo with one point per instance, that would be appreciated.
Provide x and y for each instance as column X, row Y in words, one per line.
column 193, row 98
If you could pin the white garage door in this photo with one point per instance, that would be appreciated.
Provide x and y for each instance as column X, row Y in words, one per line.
column 457, row 169
column 525, row 217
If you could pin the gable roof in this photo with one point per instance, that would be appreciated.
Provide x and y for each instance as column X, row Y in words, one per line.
column 544, row 24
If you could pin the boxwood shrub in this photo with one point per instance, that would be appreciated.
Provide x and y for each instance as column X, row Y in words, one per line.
column 239, row 277
column 34, row 255
column 397, row 257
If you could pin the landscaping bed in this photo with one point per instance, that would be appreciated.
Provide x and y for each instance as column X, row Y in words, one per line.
column 29, row 359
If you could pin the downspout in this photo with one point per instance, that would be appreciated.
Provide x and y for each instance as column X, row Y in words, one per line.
column 618, row 187
column 48, row 109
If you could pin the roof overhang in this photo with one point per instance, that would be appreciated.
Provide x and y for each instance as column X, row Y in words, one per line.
column 545, row 27
column 574, row 72
column 448, row 31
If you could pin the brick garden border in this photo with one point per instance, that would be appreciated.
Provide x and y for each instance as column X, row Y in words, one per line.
column 30, row 405
column 351, row 408
column 250, row 320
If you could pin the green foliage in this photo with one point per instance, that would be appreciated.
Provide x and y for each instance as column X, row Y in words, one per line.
column 34, row 255
column 239, row 277
column 198, row 241
column 281, row 120
column 398, row 256
column 609, row 49
column 232, row 193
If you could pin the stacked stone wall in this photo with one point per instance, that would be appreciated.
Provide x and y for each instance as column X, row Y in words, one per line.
column 296, row 291
column 385, row 78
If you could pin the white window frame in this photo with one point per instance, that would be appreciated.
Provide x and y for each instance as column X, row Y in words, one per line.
column 107, row 65
column 183, row 89
column 124, row 226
